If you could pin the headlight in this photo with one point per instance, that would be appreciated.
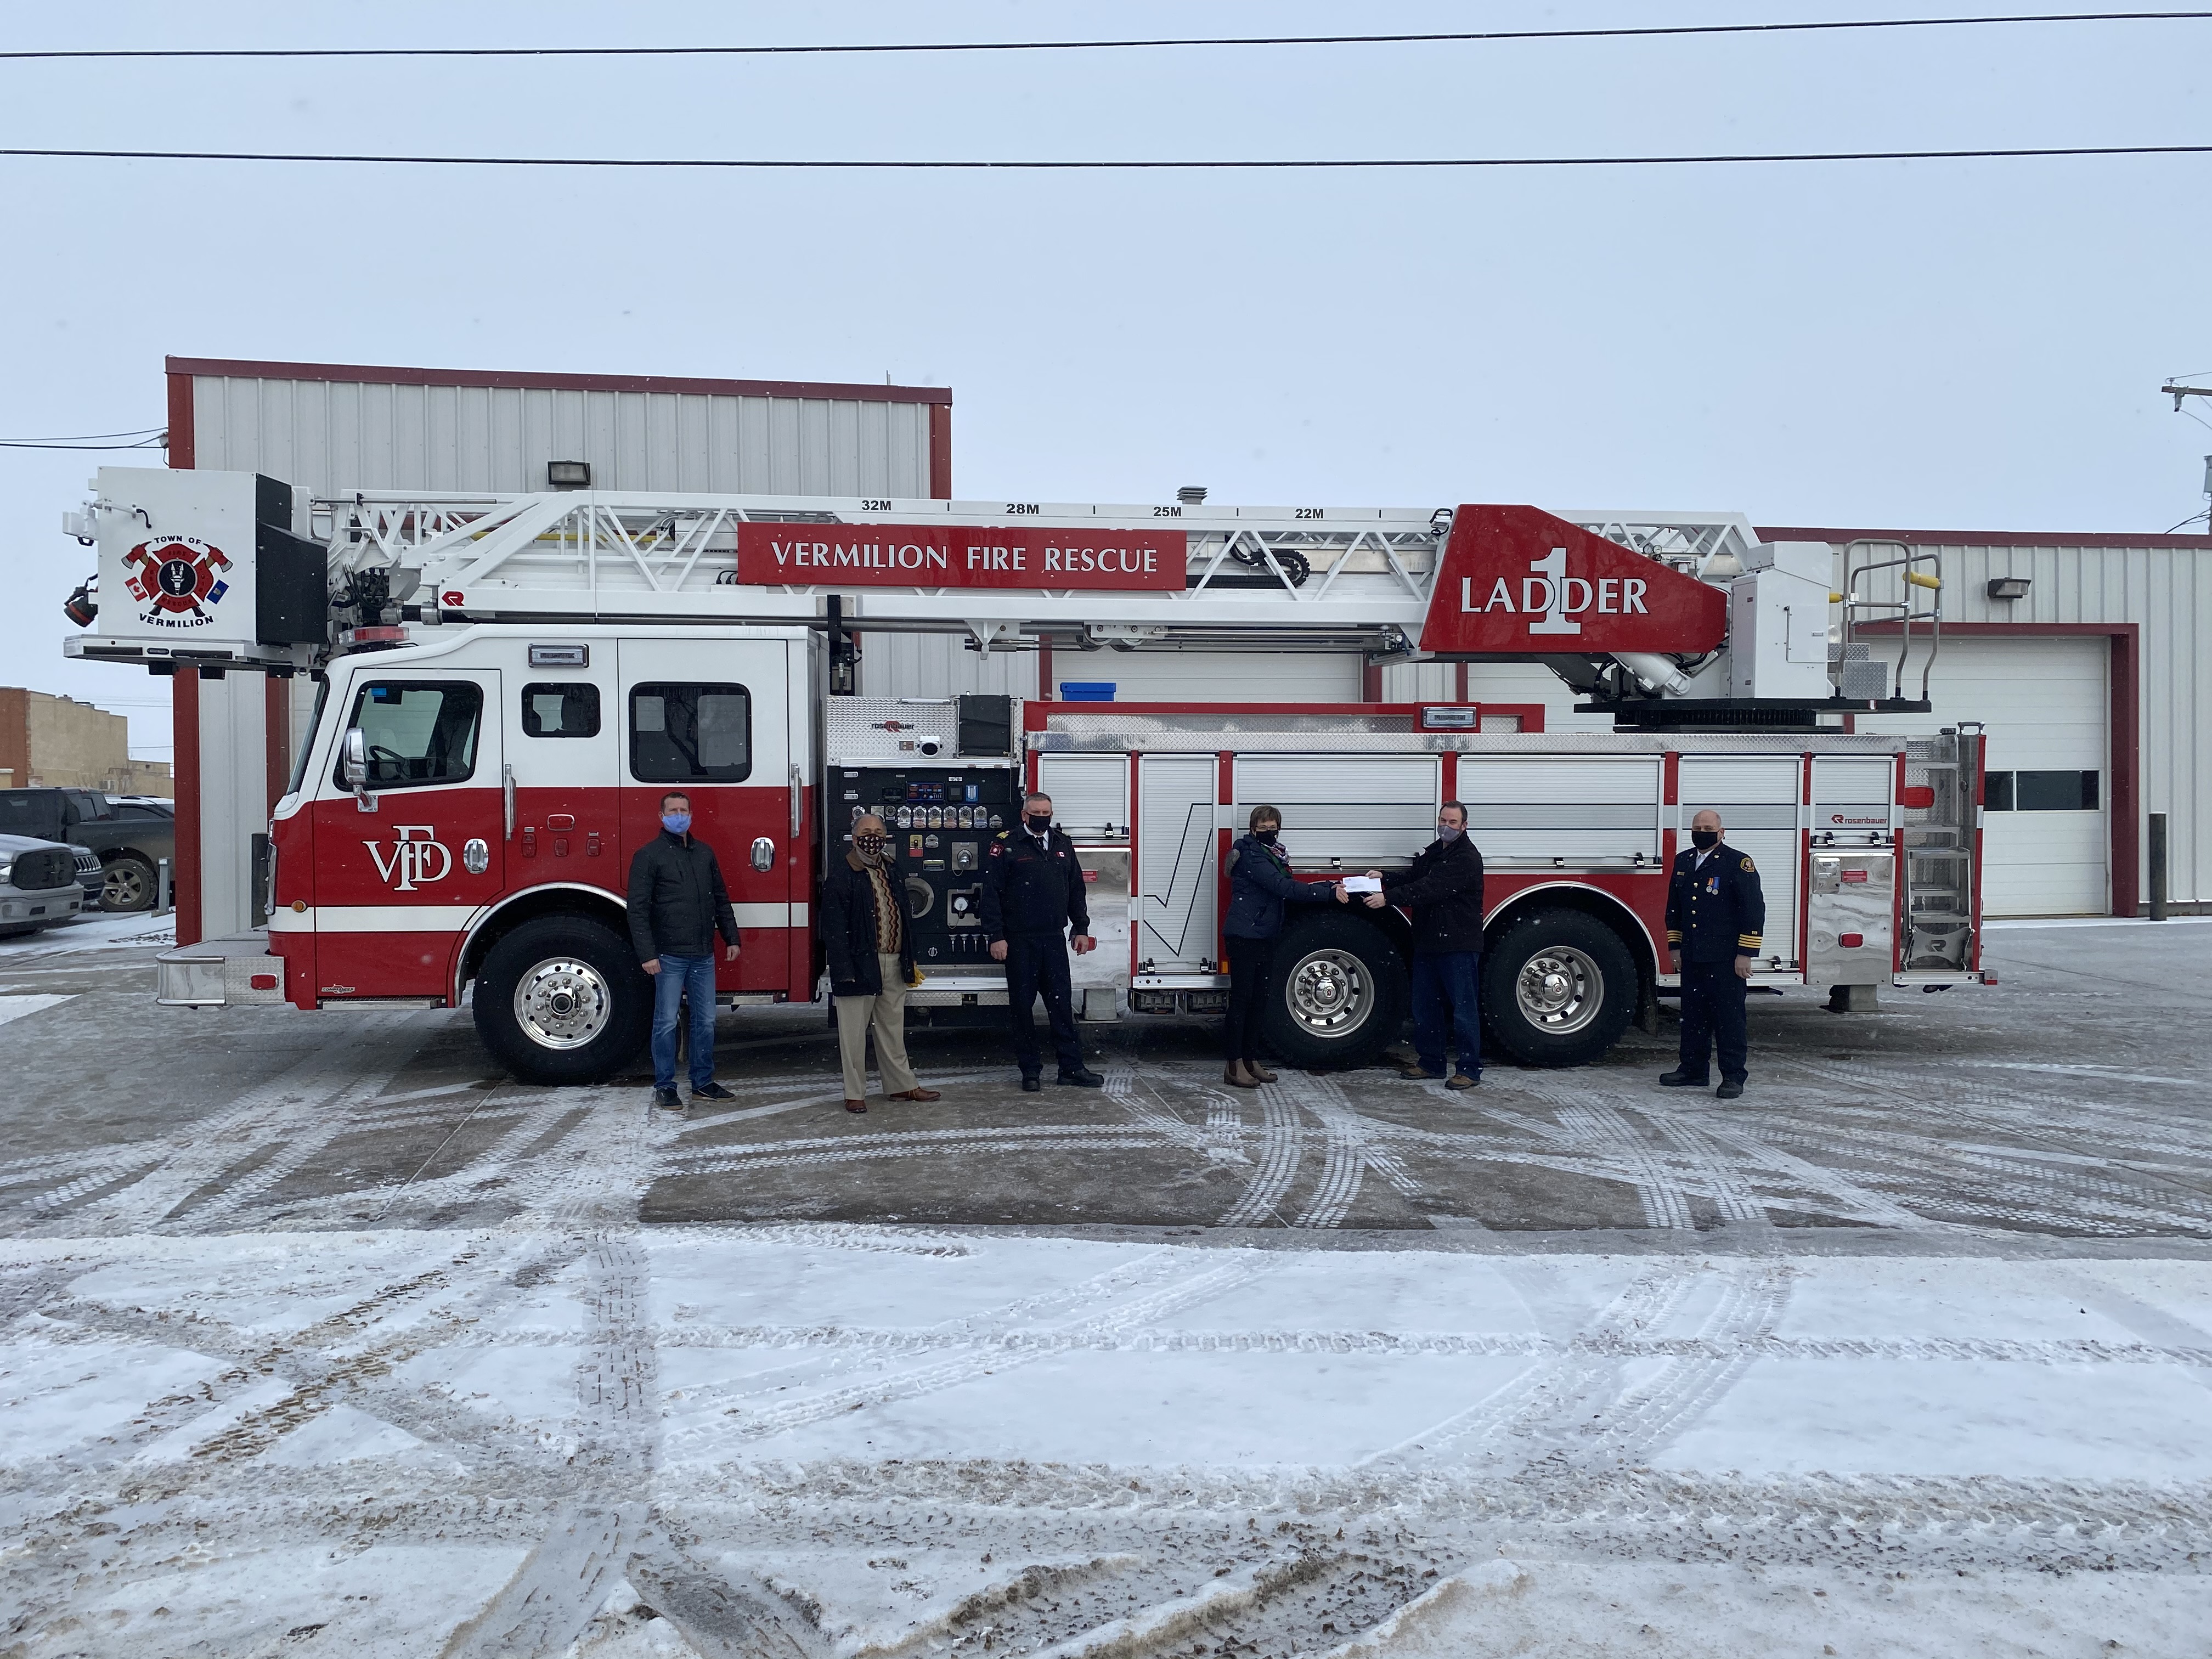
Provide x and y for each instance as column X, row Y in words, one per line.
column 7, row 870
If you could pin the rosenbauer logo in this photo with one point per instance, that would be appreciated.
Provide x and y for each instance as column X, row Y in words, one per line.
column 416, row 858
column 175, row 579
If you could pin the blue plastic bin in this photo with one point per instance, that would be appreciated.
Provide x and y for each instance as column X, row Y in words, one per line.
column 1086, row 691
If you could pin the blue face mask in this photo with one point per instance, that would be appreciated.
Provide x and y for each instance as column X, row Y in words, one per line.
column 677, row 823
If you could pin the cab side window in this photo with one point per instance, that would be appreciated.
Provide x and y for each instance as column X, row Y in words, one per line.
column 690, row 734
column 419, row 731
column 561, row 711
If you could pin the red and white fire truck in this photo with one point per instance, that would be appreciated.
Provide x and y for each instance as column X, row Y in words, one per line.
column 507, row 685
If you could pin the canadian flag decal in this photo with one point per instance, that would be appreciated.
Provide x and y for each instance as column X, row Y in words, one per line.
column 1519, row 581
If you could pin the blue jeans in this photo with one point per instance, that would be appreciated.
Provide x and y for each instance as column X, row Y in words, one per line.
column 679, row 977
column 1446, row 998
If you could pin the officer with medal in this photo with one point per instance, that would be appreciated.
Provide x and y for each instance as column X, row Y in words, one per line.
column 1032, row 900
column 1715, row 912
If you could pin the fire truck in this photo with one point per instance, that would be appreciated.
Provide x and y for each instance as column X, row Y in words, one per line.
column 507, row 685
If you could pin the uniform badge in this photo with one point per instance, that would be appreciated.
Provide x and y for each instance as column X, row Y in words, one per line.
column 1747, row 867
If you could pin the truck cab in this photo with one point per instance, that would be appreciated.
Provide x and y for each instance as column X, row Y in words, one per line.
column 129, row 839
column 466, row 812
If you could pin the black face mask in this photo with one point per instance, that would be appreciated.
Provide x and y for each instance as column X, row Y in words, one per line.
column 1265, row 837
column 1038, row 824
column 1705, row 837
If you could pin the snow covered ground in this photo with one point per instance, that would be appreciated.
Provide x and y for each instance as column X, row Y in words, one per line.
column 314, row 1339
column 857, row 1440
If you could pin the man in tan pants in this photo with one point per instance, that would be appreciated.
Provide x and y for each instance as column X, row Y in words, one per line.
column 865, row 936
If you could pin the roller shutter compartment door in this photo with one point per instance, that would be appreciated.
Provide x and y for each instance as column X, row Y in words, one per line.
column 1090, row 792
column 2046, row 832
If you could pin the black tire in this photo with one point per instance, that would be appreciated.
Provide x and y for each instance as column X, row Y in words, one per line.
column 1338, row 996
column 561, row 1000
column 127, row 884
column 1578, row 998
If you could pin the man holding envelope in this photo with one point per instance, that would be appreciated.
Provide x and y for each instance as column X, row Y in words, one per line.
column 1443, row 891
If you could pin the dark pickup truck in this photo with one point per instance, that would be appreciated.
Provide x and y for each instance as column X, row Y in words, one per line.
column 130, row 836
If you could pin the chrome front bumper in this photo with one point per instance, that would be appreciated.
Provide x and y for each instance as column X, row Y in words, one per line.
column 219, row 973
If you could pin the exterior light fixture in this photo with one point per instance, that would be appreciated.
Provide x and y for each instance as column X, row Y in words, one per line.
column 568, row 475
column 2008, row 588
column 1191, row 494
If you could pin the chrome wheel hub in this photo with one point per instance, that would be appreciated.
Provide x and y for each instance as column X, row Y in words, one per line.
column 1559, row 990
column 562, row 1003
column 1330, row 993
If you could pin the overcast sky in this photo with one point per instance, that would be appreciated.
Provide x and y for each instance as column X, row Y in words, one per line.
column 1971, row 344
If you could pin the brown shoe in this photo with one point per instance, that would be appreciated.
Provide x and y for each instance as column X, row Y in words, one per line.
column 1259, row 1070
column 1237, row 1077
column 1420, row 1074
column 918, row 1094
column 856, row 1105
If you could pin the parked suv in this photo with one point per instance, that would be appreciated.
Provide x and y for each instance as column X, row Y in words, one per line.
column 130, row 836
column 38, row 883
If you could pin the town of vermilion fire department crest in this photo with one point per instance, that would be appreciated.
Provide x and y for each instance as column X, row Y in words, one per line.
column 176, row 579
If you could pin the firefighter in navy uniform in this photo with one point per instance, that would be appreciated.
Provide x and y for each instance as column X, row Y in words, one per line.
column 1715, row 914
column 1032, row 898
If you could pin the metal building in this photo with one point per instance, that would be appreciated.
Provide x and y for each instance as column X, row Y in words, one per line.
column 2087, row 658
column 329, row 427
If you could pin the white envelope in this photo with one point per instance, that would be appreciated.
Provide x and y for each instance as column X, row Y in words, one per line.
column 1362, row 884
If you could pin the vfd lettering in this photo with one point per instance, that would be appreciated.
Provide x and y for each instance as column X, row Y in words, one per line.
column 415, row 857
column 1558, row 598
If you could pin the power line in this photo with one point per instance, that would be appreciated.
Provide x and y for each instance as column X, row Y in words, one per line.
column 1648, row 32
column 1345, row 164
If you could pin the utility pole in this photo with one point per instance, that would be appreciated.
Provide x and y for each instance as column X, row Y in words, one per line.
column 2178, row 391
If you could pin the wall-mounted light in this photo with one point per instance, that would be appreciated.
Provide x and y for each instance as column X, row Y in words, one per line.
column 2010, row 587
column 568, row 475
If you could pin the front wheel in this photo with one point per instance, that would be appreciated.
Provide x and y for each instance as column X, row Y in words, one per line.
column 561, row 1000
column 1338, row 993
column 1557, row 989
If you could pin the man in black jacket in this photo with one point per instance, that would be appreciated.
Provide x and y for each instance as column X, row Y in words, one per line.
column 1032, row 898
column 1716, row 915
column 871, row 952
column 1443, row 891
column 677, row 904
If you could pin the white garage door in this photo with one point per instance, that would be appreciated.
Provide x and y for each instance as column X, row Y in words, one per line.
column 1215, row 676
column 2047, row 831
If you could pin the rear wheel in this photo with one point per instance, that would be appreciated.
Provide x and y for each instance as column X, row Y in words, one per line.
column 561, row 1000
column 127, row 884
column 1557, row 989
column 1339, row 993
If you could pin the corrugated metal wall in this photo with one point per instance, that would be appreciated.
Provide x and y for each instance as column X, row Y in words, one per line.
column 2166, row 591
column 337, row 434
column 941, row 666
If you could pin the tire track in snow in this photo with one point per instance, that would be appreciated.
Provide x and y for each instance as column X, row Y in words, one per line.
column 1281, row 1150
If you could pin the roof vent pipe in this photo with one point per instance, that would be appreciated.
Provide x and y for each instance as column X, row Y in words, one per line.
column 1191, row 494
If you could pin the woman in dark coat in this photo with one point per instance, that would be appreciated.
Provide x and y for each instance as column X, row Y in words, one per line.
column 1261, row 888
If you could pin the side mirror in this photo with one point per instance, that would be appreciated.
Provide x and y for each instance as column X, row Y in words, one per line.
column 352, row 767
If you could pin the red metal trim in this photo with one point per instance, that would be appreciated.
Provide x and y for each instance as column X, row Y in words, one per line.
column 1981, row 538
column 182, row 447
column 372, row 375
column 1448, row 778
column 1370, row 681
column 276, row 735
column 1461, row 695
column 1225, row 790
column 1136, row 926
column 940, row 450
column 1805, row 866
column 184, row 737
column 1045, row 687
column 2124, row 741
